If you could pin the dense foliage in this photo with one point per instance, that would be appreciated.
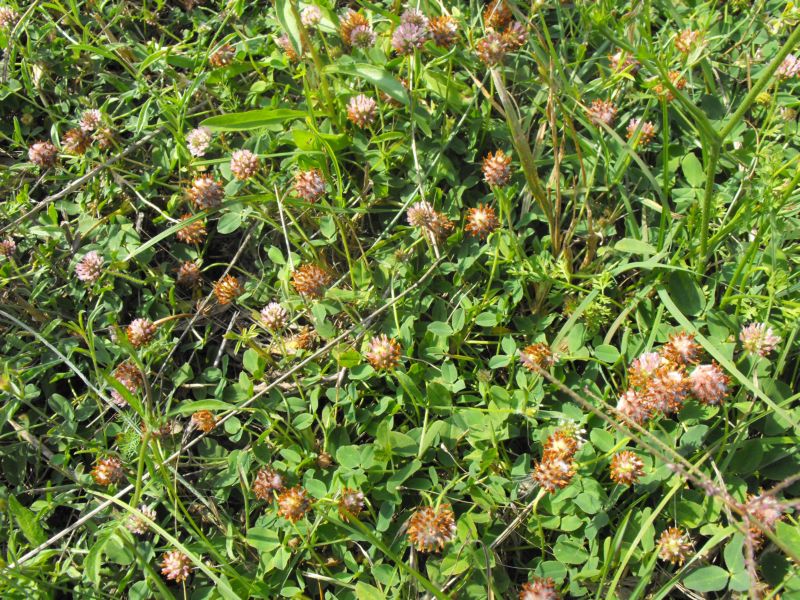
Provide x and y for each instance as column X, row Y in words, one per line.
column 371, row 301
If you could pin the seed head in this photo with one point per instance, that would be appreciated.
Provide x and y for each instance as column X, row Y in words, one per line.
column 497, row 15
column 137, row 524
column 384, row 353
column 76, row 141
column 90, row 267
column 674, row 545
column 539, row 589
column 176, row 566
column 348, row 22
column 131, row 378
column 222, row 57
column 708, row 383
column 351, row 503
column 758, row 339
column 8, row 17
column 686, row 40
column 8, row 247
column 206, row 192
column 311, row 281
column 554, row 474
column 188, row 274
column 107, row 471
column 198, row 140
column 227, row 289
column 309, row 185
column 244, row 164
column 266, row 482
column 90, row 119
column 293, row 504
column 481, row 221
column 361, row 110
column 204, row 420
column 193, row 233
column 43, row 154
column 311, row 16
column 497, row 168
column 140, row 332
column 602, row 111
column 626, row 468
column 646, row 133
column 635, row 406
column 790, row 67
column 444, row 31
column 492, row 48
column 429, row 530
column 537, row 355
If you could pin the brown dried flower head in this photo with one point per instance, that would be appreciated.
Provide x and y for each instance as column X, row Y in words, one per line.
column 667, row 388
column 497, row 15
column 227, row 289
column 244, row 164
column 537, row 355
column 176, row 566
column 267, row 481
column 76, row 141
column 602, row 111
column 646, row 131
column 348, row 22
column 635, row 406
column 309, row 185
column 626, row 468
column 107, row 471
column 43, row 154
column 444, row 30
column 140, row 332
column 204, row 420
column 188, row 274
column 497, row 168
column 293, row 504
column 674, row 545
column 709, row 384
column 681, row 349
column 539, row 589
column 514, row 36
column 686, row 40
column 206, row 192
column 311, row 281
column 554, row 474
column 193, row 233
column 677, row 81
column 492, row 48
column 222, row 57
column 351, row 503
column 560, row 445
column 383, row 353
column 429, row 530
column 131, row 378
column 288, row 48
column 481, row 221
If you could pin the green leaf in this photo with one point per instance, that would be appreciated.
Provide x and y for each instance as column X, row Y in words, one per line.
column 606, row 353
column 693, row 170
column 707, row 579
column 569, row 551
column 287, row 17
column 190, row 407
column 633, row 246
column 365, row 591
column 229, row 222
column 440, row 328
column 252, row 119
column 264, row 539
column 686, row 293
column 27, row 521
column 380, row 78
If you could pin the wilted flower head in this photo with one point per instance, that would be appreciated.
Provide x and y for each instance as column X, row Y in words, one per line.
column 176, row 566
column 7, row 247
column 206, row 192
column 131, row 378
column 667, row 389
column 267, row 481
column 188, row 274
column 309, row 185
column 311, row 280
column 429, row 530
column 626, row 468
column 481, row 221
column 104, row 137
column 497, row 15
column 43, row 154
column 497, row 168
column 204, row 420
column 107, row 471
column 554, row 474
column 288, row 48
column 434, row 224
column 193, row 233
column 90, row 267
column 310, row 16
column 351, row 503
column 198, row 140
column 686, row 40
column 765, row 508
column 222, row 57
column 492, row 48
column 137, row 524
column 537, row 355
column 708, row 383
column 383, row 353
column 244, row 164
column 560, row 445
column 635, row 406
column 227, row 289
column 8, row 17
column 140, row 332
column 444, row 30
column 676, row 79
column 348, row 22
column 293, row 504
column 361, row 110
column 643, row 368
column 674, row 545
column 646, row 131
column 274, row 316
column 539, row 589
column 790, row 67
column 76, row 141
column 620, row 61
column 758, row 339
column 90, row 119
column 515, row 35
column 602, row 111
